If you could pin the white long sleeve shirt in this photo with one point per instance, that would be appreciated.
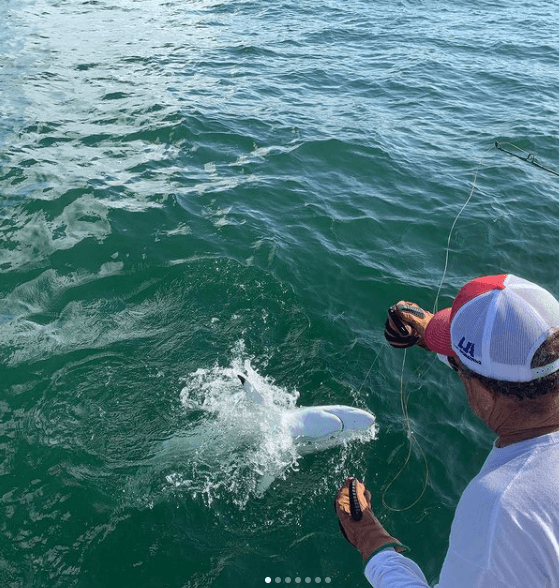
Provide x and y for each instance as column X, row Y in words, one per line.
column 505, row 532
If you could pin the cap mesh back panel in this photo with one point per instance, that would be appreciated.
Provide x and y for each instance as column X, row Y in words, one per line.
column 515, row 331
column 543, row 302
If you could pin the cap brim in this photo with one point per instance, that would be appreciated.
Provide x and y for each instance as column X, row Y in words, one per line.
column 437, row 333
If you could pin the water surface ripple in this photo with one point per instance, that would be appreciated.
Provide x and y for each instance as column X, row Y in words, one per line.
column 190, row 189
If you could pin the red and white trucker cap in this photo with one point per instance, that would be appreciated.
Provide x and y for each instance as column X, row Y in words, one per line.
column 495, row 326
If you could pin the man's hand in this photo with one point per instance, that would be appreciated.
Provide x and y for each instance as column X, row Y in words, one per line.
column 357, row 521
column 406, row 324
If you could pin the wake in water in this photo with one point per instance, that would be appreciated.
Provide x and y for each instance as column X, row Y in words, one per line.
column 233, row 447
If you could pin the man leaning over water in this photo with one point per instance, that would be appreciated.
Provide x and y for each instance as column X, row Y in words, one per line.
column 502, row 337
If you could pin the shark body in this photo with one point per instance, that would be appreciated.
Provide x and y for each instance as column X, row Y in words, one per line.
column 315, row 428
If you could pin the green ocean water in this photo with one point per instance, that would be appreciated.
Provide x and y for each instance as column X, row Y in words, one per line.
column 192, row 189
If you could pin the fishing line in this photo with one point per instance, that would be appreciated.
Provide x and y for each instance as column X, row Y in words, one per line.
column 403, row 398
column 528, row 158
column 435, row 305
column 370, row 370
column 412, row 441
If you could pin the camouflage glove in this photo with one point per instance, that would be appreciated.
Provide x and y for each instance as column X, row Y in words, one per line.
column 406, row 324
column 358, row 523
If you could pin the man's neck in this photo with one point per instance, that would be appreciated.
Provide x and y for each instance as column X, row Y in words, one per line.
column 514, row 421
column 510, row 419
column 510, row 438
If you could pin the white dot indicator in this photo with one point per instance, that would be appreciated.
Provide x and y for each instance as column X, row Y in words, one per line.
column 267, row 579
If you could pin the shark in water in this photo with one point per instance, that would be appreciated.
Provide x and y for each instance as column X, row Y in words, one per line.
column 315, row 428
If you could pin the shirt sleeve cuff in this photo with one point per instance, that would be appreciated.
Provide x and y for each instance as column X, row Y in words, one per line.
column 389, row 569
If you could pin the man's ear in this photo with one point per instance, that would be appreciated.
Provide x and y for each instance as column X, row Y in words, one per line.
column 486, row 397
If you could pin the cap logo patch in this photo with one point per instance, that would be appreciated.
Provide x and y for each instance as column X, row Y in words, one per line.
column 468, row 350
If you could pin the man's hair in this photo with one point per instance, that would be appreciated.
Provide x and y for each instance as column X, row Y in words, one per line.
column 545, row 354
